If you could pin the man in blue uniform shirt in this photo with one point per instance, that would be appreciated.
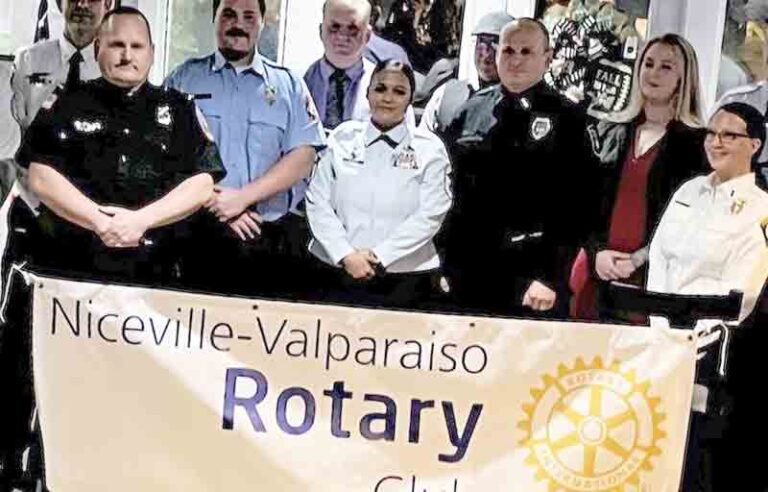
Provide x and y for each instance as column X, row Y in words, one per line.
column 267, row 129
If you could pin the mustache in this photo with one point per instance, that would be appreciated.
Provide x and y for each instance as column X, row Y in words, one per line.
column 236, row 31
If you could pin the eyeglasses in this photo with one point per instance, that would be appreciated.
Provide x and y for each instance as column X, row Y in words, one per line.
column 487, row 44
column 725, row 136
column 346, row 32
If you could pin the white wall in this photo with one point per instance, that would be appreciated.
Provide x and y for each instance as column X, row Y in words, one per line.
column 302, row 44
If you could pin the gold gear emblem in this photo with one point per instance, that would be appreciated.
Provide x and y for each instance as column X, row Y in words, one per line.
column 592, row 428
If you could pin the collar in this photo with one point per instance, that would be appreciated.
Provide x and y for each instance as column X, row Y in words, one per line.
column 354, row 72
column 397, row 134
column 257, row 65
column 521, row 100
column 121, row 94
column 67, row 49
column 733, row 187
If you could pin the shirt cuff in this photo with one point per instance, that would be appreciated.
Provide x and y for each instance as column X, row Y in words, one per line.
column 384, row 255
column 338, row 252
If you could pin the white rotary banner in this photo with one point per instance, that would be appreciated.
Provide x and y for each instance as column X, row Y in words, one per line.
column 150, row 390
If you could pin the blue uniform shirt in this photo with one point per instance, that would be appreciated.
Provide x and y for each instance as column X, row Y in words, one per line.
column 257, row 115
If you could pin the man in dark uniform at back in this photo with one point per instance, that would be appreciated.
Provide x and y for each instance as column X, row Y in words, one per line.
column 520, row 162
column 116, row 161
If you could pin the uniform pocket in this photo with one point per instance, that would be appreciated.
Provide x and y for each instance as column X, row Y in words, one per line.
column 264, row 139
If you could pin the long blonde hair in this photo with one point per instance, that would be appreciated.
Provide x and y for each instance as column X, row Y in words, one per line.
column 686, row 99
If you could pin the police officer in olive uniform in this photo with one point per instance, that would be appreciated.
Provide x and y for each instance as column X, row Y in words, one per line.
column 116, row 161
column 519, row 161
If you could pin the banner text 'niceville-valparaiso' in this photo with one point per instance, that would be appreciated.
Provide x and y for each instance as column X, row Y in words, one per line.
column 193, row 329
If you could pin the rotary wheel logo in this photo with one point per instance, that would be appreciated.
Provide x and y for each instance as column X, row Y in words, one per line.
column 592, row 428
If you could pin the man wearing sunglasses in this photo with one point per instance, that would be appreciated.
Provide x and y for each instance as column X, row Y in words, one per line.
column 339, row 80
column 447, row 98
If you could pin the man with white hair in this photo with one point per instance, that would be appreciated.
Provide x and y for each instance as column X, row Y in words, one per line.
column 339, row 80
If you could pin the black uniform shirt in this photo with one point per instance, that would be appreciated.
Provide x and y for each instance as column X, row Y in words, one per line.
column 522, row 173
column 119, row 148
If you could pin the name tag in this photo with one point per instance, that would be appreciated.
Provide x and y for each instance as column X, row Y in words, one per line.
column 88, row 127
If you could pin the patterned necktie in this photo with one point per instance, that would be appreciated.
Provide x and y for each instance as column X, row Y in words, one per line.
column 334, row 103
column 73, row 76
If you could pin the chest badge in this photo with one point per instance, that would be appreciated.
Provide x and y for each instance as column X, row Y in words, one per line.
column 163, row 116
column 270, row 94
column 406, row 159
column 737, row 206
column 87, row 127
column 540, row 127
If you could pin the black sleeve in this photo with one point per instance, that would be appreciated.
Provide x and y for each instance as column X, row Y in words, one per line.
column 47, row 140
column 200, row 154
column 570, row 214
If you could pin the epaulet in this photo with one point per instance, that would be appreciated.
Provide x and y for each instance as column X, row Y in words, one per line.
column 349, row 127
column 275, row 65
column 745, row 89
column 486, row 91
column 39, row 46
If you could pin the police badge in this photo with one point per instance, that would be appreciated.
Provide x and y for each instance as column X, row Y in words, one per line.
column 164, row 115
column 540, row 127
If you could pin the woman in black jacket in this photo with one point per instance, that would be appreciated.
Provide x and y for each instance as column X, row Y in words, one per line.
column 644, row 153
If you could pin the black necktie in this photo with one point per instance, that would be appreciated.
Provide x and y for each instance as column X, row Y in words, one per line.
column 334, row 103
column 384, row 138
column 73, row 76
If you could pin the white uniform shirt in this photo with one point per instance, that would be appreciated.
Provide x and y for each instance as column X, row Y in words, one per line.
column 711, row 240
column 366, row 194
column 39, row 69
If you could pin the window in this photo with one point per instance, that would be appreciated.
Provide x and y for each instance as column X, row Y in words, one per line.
column 6, row 12
column 191, row 31
column 428, row 30
column 595, row 45
column 743, row 57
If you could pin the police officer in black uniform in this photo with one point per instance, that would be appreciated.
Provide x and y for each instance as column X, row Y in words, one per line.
column 520, row 163
column 116, row 162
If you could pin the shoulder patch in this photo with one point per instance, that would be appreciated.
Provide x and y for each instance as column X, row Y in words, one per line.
column 309, row 104
column 50, row 101
column 273, row 64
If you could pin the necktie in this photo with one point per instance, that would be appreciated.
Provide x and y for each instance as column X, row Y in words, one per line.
column 334, row 103
column 384, row 138
column 73, row 76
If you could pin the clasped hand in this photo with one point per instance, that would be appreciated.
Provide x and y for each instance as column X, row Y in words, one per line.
column 120, row 227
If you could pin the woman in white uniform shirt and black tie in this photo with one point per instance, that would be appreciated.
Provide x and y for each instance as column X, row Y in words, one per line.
column 377, row 198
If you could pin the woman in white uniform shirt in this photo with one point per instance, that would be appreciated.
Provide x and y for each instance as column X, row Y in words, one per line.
column 711, row 238
column 378, row 197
